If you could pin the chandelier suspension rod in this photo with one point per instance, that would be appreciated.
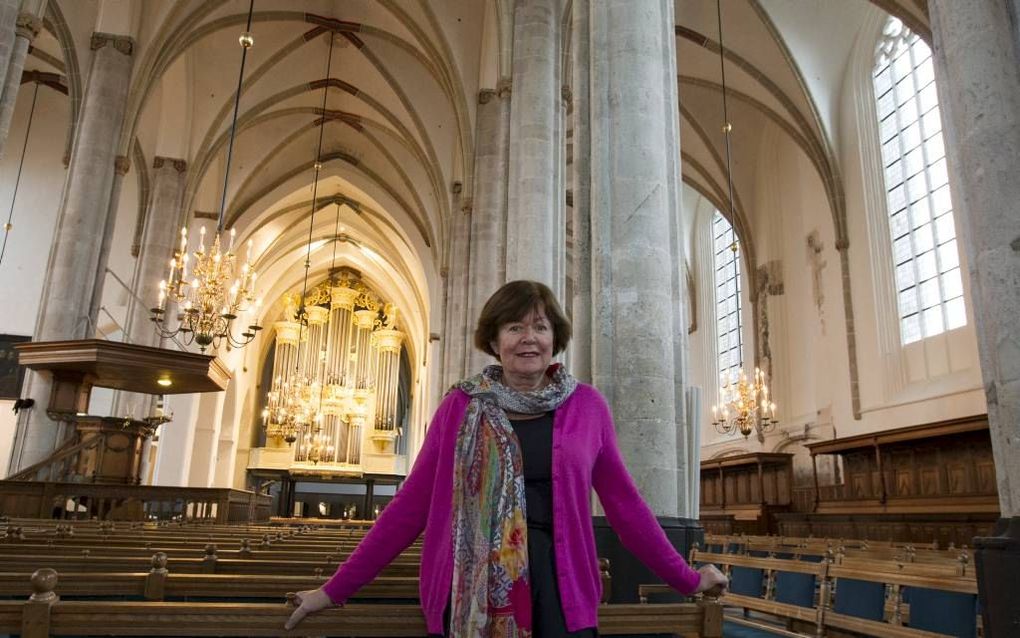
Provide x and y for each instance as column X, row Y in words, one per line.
column 21, row 164
column 332, row 265
column 233, row 123
column 727, row 129
column 302, row 314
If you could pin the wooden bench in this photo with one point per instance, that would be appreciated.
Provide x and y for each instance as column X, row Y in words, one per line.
column 830, row 599
column 44, row 614
column 159, row 584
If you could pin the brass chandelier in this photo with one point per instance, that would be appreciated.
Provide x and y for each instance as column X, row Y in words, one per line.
column 210, row 287
column 745, row 405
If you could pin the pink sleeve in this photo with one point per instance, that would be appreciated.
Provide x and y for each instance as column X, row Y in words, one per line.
column 632, row 519
column 400, row 522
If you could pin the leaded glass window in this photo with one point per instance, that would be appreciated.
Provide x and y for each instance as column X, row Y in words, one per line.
column 928, row 280
column 727, row 296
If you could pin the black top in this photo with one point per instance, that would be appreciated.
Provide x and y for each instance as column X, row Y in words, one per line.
column 535, row 437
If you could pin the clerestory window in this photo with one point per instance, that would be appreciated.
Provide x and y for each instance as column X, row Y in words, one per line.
column 727, row 296
column 928, row 280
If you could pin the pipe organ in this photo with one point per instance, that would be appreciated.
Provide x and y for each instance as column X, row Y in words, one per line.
column 335, row 377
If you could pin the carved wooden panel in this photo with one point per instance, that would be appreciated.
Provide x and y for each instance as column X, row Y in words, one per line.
column 904, row 482
column 958, row 530
column 930, row 483
column 954, row 466
column 859, row 485
column 986, row 476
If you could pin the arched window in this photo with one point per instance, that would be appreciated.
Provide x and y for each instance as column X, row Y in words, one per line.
column 727, row 296
column 929, row 286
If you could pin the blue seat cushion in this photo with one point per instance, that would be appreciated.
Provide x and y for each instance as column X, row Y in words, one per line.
column 860, row 598
column 795, row 589
column 746, row 581
column 944, row 612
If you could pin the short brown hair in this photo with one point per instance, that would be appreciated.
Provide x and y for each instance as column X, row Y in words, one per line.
column 512, row 302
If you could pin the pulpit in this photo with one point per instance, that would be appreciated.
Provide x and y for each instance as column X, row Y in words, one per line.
column 106, row 449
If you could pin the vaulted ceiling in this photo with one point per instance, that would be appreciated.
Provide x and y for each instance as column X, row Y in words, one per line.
column 396, row 110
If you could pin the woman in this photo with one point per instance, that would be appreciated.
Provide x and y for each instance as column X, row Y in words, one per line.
column 519, row 447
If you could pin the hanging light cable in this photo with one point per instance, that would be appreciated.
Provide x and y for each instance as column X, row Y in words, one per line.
column 744, row 405
column 295, row 399
column 218, row 291
column 9, row 226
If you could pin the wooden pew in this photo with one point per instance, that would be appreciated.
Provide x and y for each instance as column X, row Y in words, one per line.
column 932, row 602
column 782, row 588
column 44, row 614
column 160, row 584
column 206, row 565
column 872, row 601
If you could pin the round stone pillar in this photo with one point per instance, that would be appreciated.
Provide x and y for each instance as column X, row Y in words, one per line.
column 580, row 179
column 978, row 74
column 488, row 215
column 158, row 242
column 80, row 248
column 455, row 346
column 535, row 246
column 26, row 28
column 979, row 94
column 635, row 180
column 159, row 239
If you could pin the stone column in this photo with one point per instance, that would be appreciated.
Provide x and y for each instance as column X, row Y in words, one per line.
column 535, row 229
column 580, row 52
column 634, row 150
column 205, row 437
column 77, row 257
column 488, row 217
column 158, row 242
column 976, row 66
column 159, row 239
column 637, row 355
column 26, row 28
column 455, row 348
column 9, row 18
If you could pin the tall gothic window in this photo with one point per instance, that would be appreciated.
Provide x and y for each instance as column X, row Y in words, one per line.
column 927, row 264
column 727, row 296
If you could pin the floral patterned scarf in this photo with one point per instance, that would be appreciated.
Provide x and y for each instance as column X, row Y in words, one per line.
column 491, row 592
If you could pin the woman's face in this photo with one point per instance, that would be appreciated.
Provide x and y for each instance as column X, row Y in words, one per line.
column 525, row 346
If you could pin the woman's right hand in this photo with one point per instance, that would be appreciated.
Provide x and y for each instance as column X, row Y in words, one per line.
column 307, row 602
column 713, row 582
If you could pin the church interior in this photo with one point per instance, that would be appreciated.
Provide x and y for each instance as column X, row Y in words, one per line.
column 248, row 242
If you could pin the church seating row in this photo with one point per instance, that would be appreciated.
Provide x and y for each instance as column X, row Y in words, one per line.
column 45, row 614
column 160, row 584
column 829, row 599
column 813, row 542
column 207, row 565
column 330, row 554
column 934, row 562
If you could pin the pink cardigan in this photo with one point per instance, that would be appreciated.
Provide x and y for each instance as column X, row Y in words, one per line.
column 585, row 455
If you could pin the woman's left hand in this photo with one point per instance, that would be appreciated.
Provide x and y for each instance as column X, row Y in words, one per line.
column 713, row 582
